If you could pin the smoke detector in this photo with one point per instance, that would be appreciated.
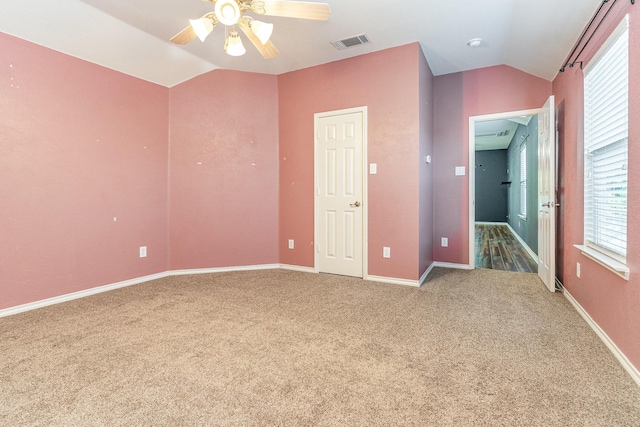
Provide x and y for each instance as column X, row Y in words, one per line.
column 474, row 42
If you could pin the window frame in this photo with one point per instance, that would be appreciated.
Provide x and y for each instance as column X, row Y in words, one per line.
column 607, row 257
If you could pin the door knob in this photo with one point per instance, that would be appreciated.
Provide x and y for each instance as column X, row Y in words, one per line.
column 355, row 205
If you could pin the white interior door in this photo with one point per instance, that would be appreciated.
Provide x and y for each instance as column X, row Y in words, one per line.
column 547, row 195
column 339, row 180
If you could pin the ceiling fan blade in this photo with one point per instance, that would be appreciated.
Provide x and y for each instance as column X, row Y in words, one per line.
column 184, row 36
column 267, row 50
column 188, row 34
column 297, row 9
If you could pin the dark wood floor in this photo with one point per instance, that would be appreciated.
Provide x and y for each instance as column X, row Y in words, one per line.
column 498, row 249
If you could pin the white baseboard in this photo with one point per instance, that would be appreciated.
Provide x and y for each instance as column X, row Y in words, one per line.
column 105, row 288
column 523, row 243
column 298, row 268
column 626, row 364
column 424, row 276
column 515, row 234
column 393, row 280
column 452, row 265
column 99, row 289
column 80, row 294
column 222, row 269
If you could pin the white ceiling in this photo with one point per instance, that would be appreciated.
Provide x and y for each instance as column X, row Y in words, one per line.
column 132, row 36
column 498, row 134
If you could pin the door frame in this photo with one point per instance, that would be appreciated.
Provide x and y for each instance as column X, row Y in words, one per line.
column 364, row 181
column 472, row 170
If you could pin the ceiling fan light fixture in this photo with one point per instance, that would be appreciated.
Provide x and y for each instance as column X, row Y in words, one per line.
column 233, row 45
column 202, row 27
column 227, row 11
column 262, row 30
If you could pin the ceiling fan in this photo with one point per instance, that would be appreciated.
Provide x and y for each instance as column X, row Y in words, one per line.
column 231, row 12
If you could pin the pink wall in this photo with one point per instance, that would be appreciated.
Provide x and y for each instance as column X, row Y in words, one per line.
column 224, row 171
column 80, row 144
column 425, row 170
column 457, row 97
column 387, row 83
column 612, row 302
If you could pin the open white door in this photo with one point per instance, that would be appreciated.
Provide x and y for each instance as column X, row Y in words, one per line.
column 340, row 192
column 547, row 195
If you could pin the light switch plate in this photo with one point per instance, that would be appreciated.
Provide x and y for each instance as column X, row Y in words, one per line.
column 460, row 170
column 373, row 168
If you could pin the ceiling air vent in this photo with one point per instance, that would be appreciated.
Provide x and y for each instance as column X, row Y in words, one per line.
column 351, row 41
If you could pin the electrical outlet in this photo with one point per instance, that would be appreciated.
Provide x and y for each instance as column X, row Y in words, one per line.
column 291, row 244
column 143, row 251
column 386, row 252
column 578, row 269
column 444, row 242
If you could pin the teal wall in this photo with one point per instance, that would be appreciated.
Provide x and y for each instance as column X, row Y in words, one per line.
column 527, row 228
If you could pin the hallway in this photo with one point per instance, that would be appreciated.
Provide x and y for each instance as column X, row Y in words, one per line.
column 498, row 249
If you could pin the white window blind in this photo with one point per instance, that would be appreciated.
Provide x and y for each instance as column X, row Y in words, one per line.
column 606, row 116
column 523, row 181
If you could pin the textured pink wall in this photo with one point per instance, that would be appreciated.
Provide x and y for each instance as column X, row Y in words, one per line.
column 425, row 170
column 387, row 83
column 612, row 302
column 80, row 145
column 457, row 97
column 224, row 171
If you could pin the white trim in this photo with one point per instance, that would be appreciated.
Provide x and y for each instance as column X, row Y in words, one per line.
column 222, row 269
column 424, row 276
column 472, row 169
column 79, row 294
column 394, row 281
column 298, row 268
column 516, row 235
column 607, row 262
column 130, row 282
column 523, row 243
column 626, row 364
column 365, row 185
column 452, row 265
column 99, row 289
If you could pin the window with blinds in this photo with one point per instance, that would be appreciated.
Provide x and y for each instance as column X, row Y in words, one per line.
column 606, row 116
column 523, row 181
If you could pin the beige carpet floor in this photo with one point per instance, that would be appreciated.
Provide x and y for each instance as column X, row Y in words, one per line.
column 283, row 348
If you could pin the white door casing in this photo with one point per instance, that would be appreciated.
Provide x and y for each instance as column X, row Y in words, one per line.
column 546, row 187
column 472, row 174
column 340, row 192
column 547, row 195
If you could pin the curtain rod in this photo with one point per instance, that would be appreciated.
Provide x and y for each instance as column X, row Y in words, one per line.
column 584, row 34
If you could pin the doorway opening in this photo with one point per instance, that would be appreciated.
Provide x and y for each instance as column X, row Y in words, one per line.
column 503, row 193
column 547, row 176
column 506, row 193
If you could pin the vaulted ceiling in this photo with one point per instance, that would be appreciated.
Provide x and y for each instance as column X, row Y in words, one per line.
column 534, row 36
